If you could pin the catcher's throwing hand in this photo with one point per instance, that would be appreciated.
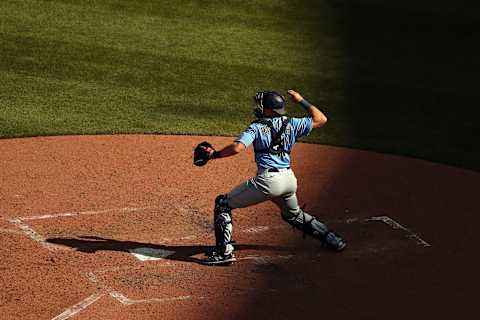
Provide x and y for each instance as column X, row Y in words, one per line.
column 294, row 96
column 203, row 153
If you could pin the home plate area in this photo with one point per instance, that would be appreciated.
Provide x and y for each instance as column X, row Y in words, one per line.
column 159, row 253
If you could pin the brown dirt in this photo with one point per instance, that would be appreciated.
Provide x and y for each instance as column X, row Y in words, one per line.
column 143, row 191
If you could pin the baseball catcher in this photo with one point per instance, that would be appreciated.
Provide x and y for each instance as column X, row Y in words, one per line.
column 272, row 135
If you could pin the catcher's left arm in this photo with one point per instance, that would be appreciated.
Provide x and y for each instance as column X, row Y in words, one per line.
column 205, row 151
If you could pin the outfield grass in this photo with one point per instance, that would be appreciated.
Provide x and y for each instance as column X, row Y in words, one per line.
column 398, row 79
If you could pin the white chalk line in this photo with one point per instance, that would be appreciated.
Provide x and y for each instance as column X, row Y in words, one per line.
column 123, row 299
column 160, row 256
column 397, row 226
column 257, row 259
column 119, row 296
column 32, row 234
column 385, row 219
column 256, row 229
column 90, row 212
column 73, row 310
column 260, row 229
column 188, row 237
column 127, row 301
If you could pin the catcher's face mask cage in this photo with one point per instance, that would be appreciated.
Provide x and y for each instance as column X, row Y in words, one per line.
column 258, row 109
column 270, row 100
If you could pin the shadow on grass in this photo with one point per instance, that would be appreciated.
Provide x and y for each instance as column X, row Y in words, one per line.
column 410, row 74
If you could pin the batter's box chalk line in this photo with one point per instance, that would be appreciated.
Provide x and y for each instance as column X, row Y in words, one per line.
column 397, row 226
column 146, row 254
column 20, row 223
column 267, row 259
column 32, row 234
column 123, row 299
column 73, row 310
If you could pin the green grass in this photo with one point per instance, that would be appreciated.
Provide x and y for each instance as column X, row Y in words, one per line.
column 398, row 79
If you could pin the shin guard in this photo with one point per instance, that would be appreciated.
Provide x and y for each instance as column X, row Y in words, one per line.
column 308, row 224
column 313, row 227
column 223, row 225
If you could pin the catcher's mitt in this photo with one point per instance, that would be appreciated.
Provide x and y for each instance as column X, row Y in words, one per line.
column 202, row 155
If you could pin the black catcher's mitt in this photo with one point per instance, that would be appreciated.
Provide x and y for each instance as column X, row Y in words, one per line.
column 201, row 155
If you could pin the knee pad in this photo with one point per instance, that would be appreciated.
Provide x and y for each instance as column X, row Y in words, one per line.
column 287, row 215
column 221, row 204
column 294, row 218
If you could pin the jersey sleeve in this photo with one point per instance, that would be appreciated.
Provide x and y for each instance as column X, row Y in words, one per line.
column 302, row 126
column 248, row 136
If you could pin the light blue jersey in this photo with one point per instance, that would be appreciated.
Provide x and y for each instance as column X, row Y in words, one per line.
column 259, row 134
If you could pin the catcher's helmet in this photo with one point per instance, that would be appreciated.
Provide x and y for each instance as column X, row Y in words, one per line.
column 270, row 100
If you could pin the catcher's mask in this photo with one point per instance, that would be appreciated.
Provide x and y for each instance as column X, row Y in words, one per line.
column 270, row 100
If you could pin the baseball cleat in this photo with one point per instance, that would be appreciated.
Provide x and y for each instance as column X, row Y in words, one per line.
column 334, row 242
column 219, row 259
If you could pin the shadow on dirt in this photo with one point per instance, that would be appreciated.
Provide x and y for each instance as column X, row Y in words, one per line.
column 186, row 253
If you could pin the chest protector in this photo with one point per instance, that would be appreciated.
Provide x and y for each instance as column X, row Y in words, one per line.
column 276, row 146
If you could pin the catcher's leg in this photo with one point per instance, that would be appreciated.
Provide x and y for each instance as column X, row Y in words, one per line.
column 307, row 223
column 222, row 217
column 222, row 221
column 244, row 195
column 247, row 194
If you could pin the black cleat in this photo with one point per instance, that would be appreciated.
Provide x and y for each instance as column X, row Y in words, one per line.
column 219, row 259
column 334, row 242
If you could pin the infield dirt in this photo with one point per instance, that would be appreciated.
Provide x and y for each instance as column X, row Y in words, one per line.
column 74, row 209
